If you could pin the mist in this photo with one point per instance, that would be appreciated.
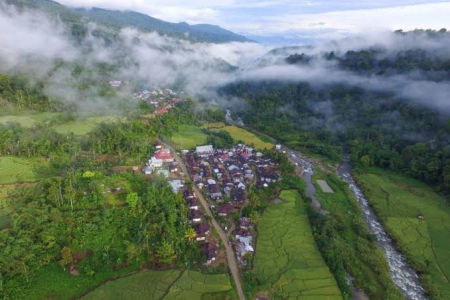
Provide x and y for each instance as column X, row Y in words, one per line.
column 32, row 43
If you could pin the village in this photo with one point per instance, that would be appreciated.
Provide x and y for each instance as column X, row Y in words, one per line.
column 223, row 177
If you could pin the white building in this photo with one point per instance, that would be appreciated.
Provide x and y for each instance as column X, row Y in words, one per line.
column 155, row 162
column 204, row 150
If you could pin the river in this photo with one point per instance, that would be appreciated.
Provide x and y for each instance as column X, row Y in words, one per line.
column 404, row 277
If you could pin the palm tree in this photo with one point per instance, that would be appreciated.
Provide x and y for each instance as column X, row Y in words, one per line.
column 190, row 234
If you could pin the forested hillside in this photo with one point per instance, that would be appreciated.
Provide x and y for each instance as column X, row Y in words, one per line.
column 77, row 19
column 377, row 127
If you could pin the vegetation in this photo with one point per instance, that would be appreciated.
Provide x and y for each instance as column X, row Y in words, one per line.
column 240, row 134
column 18, row 169
column 287, row 260
column 188, row 137
column 346, row 243
column 398, row 200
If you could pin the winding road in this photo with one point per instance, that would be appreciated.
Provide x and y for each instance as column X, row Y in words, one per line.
column 231, row 258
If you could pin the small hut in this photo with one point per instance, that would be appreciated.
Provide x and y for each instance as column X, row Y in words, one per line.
column 420, row 217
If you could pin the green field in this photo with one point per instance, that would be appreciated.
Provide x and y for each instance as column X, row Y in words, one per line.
column 13, row 169
column 188, row 137
column 82, row 126
column 170, row 284
column 398, row 200
column 27, row 120
column 240, row 134
column 287, row 259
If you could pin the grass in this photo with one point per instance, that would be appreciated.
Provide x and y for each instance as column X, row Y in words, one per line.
column 364, row 260
column 170, row 284
column 398, row 200
column 240, row 134
column 82, row 126
column 188, row 137
column 14, row 169
column 27, row 120
column 287, row 259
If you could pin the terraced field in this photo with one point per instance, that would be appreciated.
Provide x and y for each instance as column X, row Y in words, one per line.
column 188, row 137
column 171, row 284
column 287, row 258
column 398, row 200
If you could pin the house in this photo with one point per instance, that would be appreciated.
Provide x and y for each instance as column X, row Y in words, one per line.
column 245, row 156
column 202, row 231
column 115, row 83
column 244, row 223
column 196, row 216
column 162, row 111
column 188, row 194
column 225, row 209
column 164, row 155
column 153, row 101
column 173, row 167
column 239, row 195
column 176, row 184
column 244, row 245
column 209, row 250
column 155, row 163
column 147, row 170
column 239, row 232
column 420, row 217
column 278, row 147
column 158, row 145
column 193, row 204
column 227, row 190
column 175, row 100
column 214, row 191
column 204, row 151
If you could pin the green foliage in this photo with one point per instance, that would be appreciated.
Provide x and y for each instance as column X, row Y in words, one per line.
column 62, row 218
column 219, row 139
column 346, row 243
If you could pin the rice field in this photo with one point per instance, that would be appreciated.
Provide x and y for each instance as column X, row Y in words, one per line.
column 188, row 137
column 287, row 258
column 170, row 284
column 398, row 200
column 240, row 134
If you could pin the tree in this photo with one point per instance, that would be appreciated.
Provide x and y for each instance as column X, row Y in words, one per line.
column 66, row 257
column 166, row 253
column 366, row 161
column 132, row 200
column 190, row 234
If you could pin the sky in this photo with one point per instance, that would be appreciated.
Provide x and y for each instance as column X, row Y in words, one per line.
column 291, row 21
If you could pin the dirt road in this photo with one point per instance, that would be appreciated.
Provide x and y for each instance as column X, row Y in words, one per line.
column 232, row 261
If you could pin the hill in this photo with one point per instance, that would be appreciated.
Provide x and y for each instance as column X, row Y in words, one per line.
column 78, row 17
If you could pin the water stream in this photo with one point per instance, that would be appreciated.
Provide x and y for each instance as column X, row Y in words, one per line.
column 404, row 277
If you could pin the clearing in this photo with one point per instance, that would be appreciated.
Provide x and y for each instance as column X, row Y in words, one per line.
column 398, row 200
column 240, row 134
column 188, row 137
column 170, row 284
column 27, row 120
column 324, row 186
column 287, row 260
column 14, row 169
column 82, row 126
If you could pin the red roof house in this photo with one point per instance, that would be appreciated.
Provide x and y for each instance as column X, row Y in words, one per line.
column 164, row 155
